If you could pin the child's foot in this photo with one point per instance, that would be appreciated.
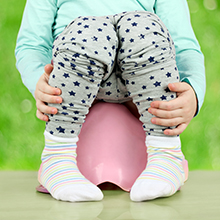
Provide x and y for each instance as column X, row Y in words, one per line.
column 60, row 174
column 164, row 173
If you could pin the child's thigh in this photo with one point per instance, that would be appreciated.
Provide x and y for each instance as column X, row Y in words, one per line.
column 146, row 55
column 145, row 43
column 86, row 42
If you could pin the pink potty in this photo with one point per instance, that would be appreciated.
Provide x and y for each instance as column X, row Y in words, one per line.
column 111, row 147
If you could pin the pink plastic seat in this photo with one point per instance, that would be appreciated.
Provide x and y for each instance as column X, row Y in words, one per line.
column 111, row 146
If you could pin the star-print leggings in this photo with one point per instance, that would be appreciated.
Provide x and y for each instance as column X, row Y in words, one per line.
column 127, row 56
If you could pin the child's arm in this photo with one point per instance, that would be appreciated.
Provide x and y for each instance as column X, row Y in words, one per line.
column 190, row 62
column 33, row 51
column 34, row 41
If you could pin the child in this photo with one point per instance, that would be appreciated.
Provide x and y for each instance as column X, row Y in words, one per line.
column 116, row 58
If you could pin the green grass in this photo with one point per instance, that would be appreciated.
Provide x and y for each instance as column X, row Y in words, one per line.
column 21, row 133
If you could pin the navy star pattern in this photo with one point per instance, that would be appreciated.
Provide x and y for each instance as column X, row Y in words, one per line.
column 79, row 82
column 163, row 97
column 168, row 74
column 60, row 129
column 66, row 75
column 156, row 84
column 72, row 93
column 76, row 83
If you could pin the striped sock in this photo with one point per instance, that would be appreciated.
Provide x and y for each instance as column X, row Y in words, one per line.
column 60, row 174
column 164, row 173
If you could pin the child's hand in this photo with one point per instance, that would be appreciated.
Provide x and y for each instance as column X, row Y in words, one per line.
column 46, row 94
column 177, row 112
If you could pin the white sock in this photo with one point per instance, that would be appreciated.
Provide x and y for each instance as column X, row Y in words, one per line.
column 164, row 173
column 60, row 174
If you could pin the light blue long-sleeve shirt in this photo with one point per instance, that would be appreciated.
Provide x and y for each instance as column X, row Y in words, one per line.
column 44, row 20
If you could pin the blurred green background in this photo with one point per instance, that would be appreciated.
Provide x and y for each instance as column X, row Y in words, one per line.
column 21, row 133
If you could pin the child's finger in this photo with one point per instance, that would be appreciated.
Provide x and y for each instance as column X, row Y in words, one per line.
column 167, row 122
column 48, row 69
column 44, row 87
column 41, row 116
column 168, row 105
column 176, row 131
column 44, row 109
column 44, row 97
column 165, row 114
column 179, row 87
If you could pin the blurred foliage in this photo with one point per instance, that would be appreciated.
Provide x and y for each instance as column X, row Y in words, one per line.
column 21, row 133
column 201, row 140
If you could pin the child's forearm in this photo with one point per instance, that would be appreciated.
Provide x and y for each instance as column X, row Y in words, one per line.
column 192, row 71
column 190, row 60
column 31, row 67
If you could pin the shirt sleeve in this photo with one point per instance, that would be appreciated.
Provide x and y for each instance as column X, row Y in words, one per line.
column 190, row 60
column 34, row 42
